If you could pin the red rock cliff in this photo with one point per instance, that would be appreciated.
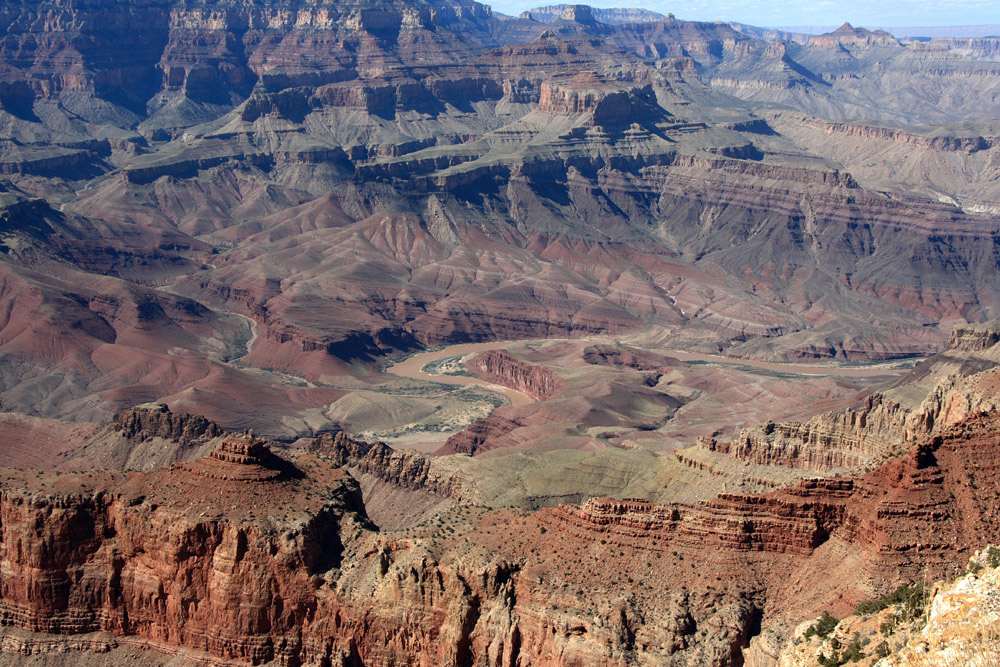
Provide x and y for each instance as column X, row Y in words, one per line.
column 503, row 368
column 251, row 557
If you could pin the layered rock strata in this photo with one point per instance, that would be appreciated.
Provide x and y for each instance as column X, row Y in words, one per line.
column 155, row 420
column 405, row 469
column 948, row 388
column 211, row 555
column 287, row 567
column 503, row 368
column 327, row 183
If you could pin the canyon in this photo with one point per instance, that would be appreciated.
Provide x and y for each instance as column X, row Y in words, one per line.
column 246, row 210
column 411, row 333
column 248, row 555
column 241, row 551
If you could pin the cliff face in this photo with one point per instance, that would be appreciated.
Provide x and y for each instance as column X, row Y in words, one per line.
column 156, row 420
column 405, row 469
column 607, row 102
column 181, row 555
column 212, row 55
column 779, row 524
column 834, row 441
column 510, row 179
column 982, row 48
column 942, row 623
column 251, row 557
column 485, row 434
column 612, row 16
column 505, row 369
column 948, row 388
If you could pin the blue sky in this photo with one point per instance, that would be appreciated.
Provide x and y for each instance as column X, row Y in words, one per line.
column 802, row 12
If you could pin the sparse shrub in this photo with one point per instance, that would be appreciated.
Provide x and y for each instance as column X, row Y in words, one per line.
column 853, row 652
column 822, row 627
column 832, row 661
column 890, row 625
column 913, row 599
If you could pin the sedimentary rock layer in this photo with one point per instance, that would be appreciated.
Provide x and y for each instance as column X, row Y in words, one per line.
column 285, row 565
column 503, row 368
column 938, row 393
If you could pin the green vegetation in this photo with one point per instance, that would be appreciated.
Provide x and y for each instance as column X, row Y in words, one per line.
column 911, row 597
column 853, row 652
column 882, row 650
column 823, row 627
column 447, row 366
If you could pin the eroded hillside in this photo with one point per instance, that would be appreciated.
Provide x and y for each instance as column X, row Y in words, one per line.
column 244, row 206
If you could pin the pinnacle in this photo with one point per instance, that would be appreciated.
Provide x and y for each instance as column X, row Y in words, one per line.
column 242, row 457
column 243, row 449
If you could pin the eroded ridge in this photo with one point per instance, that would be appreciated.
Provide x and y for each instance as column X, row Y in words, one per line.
column 291, row 569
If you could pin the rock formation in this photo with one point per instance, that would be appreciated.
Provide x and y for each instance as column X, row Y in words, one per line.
column 156, row 420
column 937, row 394
column 610, row 15
column 624, row 357
column 219, row 556
column 240, row 459
column 928, row 623
column 504, row 369
column 184, row 221
column 405, row 469
column 187, row 556
column 239, row 209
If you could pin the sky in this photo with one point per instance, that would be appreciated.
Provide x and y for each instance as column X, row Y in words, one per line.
column 771, row 13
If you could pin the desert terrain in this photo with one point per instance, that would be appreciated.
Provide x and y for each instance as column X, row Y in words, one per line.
column 385, row 332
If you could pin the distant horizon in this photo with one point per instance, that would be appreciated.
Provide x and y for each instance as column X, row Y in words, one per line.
column 781, row 14
column 980, row 30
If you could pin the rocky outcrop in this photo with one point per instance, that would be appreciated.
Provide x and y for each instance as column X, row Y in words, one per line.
column 732, row 522
column 980, row 48
column 483, row 435
column 966, row 144
column 619, row 356
column 609, row 15
column 974, row 338
column 241, row 459
column 287, row 567
column 879, row 424
column 961, row 621
column 923, row 624
column 404, row 469
column 851, row 36
column 895, row 512
column 606, row 102
column 178, row 556
column 833, row 441
column 503, row 368
column 155, row 420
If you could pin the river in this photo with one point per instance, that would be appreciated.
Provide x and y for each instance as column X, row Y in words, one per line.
column 412, row 367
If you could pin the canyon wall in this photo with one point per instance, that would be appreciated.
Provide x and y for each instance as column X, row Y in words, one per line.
column 503, row 368
column 251, row 557
column 940, row 392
